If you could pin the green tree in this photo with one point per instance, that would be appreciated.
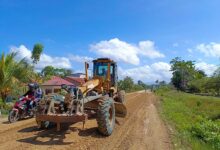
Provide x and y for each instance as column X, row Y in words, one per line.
column 162, row 83
column 183, row 72
column 36, row 52
column 213, row 85
column 13, row 73
column 126, row 84
column 142, row 84
column 214, row 82
column 62, row 72
column 199, row 74
column 199, row 85
column 217, row 72
column 49, row 71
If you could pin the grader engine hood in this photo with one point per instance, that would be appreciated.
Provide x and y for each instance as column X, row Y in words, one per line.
column 89, row 85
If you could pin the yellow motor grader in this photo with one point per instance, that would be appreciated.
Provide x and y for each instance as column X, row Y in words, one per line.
column 98, row 96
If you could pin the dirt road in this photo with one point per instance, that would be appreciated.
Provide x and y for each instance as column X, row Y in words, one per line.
column 141, row 129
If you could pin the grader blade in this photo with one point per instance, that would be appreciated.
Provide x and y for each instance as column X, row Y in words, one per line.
column 120, row 110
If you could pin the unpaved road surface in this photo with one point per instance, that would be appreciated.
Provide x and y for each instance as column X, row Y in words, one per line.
column 141, row 129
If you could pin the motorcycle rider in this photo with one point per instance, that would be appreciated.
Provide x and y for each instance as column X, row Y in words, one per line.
column 34, row 93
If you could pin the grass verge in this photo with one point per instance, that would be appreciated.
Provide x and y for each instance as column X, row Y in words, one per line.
column 194, row 120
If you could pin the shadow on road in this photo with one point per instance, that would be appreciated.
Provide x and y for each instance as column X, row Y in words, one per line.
column 45, row 137
column 5, row 122
column 89, row 132
column 53, row 137
column 29, row 129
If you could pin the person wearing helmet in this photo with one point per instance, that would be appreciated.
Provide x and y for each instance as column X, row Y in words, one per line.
column 29, row 96
column 31, row 90
column 34, row 93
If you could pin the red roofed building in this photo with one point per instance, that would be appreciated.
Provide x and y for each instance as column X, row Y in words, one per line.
column 77, row 81
column 54, row 85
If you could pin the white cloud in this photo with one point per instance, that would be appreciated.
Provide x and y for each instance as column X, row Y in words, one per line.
column 117, row 50
column 147, row 48
column 80, row 59
column 210, row 50
column 45, row 60
column 207, row 68
column 126, row 52
column 148, row 73
column 22, row 52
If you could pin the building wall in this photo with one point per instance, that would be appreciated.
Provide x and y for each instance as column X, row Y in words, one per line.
column 50, row 89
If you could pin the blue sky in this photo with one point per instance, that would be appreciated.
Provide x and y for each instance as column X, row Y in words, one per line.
column 72, row 31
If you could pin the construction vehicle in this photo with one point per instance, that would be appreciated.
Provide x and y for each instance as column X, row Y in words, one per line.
column 99, row 95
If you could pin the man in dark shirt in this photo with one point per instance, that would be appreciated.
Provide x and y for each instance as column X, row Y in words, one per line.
column 34, row 92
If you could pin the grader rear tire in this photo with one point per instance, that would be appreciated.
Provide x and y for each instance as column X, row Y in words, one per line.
column 106, row 116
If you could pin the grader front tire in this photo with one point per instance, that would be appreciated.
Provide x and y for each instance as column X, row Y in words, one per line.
column 106, row 116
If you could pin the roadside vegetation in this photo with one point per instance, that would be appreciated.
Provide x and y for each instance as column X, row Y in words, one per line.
column 185, row 77
column 129, row 85
column 195, row 119
column 190, row 105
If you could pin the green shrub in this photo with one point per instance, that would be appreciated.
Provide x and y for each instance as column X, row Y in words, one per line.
column 198, row 103
column 5, row 107
column 208, row 131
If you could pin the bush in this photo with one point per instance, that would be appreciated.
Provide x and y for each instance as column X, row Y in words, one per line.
column 208, row 131
column 5, row 107
column 198, row 103
column 196, row 119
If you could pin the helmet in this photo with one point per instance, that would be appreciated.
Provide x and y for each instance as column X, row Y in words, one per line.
column 31, row 86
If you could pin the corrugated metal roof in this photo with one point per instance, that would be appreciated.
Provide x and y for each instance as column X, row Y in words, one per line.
column 56, row 81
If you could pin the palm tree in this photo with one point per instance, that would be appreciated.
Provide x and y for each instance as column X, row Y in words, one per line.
column 13, row 72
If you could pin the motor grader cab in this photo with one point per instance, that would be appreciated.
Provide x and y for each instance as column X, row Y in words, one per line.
column 99, row 94
column 105, row 70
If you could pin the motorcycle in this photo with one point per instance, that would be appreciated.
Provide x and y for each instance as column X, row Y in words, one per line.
column 20, row 110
